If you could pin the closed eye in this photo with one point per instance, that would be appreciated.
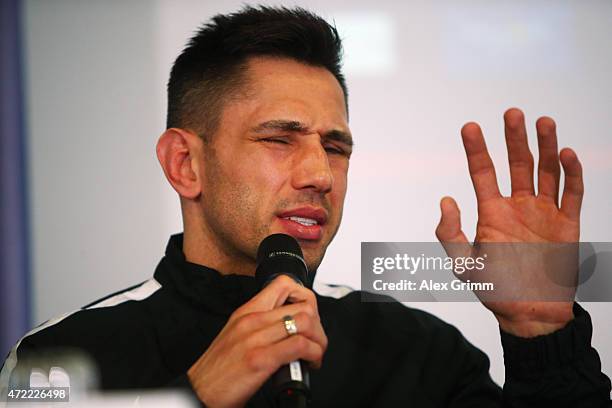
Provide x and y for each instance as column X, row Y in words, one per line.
column 329, row 148
column 275, row 140
column 333, row 149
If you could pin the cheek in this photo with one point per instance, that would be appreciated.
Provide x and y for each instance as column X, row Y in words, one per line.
column 258, row 188
column 257, row 173
column 340, row 185
column 268, row 173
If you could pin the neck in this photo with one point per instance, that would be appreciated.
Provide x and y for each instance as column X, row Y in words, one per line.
column 199, row 248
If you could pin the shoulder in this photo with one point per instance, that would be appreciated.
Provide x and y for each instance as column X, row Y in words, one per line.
column 127, row 307
column 367, row 316
column 92, row 328
column 386, row 330
column 340, row 299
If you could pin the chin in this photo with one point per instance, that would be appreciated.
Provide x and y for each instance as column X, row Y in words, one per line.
column 313, row 257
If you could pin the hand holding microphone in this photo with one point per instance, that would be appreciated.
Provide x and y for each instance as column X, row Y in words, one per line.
column 256, row 341
column 279, row 255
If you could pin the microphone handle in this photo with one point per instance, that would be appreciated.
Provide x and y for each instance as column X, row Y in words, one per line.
column 291, row 382
column 291, row 385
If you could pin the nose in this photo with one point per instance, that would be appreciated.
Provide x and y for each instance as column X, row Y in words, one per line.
column 311, row 168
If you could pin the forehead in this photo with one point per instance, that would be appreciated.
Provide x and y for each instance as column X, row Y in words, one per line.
column 280, row 88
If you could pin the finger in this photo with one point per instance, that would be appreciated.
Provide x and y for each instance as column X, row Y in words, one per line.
column 480, row 164
column 306, row 325
column 246, row 324
column 294, row 309
column 449, row 227
column 275, row 294
column 549, row 170
column 519, row 155
column 296, row 347
column 573, row 188
column 449, row 231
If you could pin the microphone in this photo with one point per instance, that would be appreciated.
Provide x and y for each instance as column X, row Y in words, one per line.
column 280, row 254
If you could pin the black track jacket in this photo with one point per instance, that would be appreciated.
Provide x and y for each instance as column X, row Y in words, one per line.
column 379, row 354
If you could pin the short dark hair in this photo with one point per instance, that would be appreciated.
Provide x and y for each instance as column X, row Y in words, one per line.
column 211, row 68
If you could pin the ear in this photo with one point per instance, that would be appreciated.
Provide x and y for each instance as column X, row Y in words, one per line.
column 178, row 151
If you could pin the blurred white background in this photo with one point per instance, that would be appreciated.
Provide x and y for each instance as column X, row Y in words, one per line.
column 417, row 71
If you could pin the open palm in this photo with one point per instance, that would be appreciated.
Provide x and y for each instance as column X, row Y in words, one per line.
column 524, row 217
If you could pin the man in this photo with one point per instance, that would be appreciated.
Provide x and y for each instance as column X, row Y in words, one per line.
column 258, row 143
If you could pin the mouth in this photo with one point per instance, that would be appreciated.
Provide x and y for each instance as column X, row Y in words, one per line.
column 307, row 222
column 304, row 223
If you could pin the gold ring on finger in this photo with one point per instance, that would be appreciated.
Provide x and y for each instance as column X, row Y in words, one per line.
column 290, row 325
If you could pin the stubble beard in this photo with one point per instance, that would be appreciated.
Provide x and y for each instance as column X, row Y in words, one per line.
column 236, row 224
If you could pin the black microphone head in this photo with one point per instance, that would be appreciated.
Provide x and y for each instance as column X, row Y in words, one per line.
column 280, row 254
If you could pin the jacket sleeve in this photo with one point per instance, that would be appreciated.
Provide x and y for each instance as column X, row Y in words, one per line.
column 560, row 369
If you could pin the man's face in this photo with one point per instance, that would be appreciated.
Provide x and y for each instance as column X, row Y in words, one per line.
column 278, row 162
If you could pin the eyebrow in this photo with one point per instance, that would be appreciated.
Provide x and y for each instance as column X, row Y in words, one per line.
column 295, row 126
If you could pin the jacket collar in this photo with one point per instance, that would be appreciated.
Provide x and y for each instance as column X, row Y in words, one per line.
column 202, row 286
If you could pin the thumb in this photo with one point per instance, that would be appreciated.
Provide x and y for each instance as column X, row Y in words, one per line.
column 449, row 231
column 449, row 227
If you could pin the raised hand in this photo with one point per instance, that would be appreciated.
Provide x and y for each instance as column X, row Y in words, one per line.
column 524, row 216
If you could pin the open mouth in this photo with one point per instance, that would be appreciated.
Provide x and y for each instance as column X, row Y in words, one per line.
column 305, row 223
column 308, row 222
